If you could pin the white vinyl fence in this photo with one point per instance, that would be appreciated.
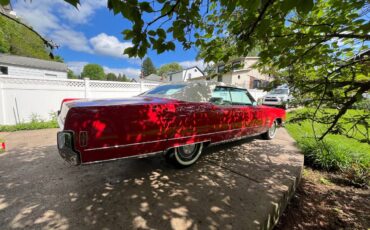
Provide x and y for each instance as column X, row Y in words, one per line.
column 24, row 98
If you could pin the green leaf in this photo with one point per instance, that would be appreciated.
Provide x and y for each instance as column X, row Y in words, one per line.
column 287, row 5
column 171, row 46
column 72, row 2
column 161, row 33
column 145, row 6
column 130, row 51
column 152, row 33
column 305, row 6
column 128, row 34
column 4, row 2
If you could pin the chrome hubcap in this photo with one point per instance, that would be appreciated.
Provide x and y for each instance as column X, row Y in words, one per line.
column 272, row 130
column 187, row 151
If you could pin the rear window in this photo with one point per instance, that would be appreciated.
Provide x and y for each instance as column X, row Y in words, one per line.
column 166, row 90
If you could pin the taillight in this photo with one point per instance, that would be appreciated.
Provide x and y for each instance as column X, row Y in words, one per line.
column 69, row 99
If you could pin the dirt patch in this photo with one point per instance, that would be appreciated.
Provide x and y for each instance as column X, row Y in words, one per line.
column 321, row 204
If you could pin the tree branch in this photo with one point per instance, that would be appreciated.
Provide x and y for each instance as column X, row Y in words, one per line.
column 259, row 18
column 344, row 109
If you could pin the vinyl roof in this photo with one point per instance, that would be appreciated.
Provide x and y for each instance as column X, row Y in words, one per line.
column 32, row 63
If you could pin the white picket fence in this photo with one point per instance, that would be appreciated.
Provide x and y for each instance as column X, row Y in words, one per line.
column 24, row 98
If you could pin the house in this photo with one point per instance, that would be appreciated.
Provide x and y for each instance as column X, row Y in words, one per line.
column 18, row 66
column 154, row 78
column 186, row 74
column 242, row 73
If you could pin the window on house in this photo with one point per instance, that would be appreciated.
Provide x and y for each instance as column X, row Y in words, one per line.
column 257, row 84
column 170, row 77
column 219, row 78
column 4, row 70
column 189, row 75
column 236, row 65
column 220, row 68
column 195, row 70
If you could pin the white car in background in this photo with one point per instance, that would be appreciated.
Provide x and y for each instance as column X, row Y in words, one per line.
column 279, row 97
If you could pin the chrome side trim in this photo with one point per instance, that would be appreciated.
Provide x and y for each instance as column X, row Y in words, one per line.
column 149, row 142
column 128, row 157
column 126, row 145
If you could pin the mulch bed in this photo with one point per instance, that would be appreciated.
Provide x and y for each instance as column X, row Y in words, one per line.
column 320, row 204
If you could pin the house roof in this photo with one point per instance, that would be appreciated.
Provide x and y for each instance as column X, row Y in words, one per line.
column 187, row 69
column 154, row 78
column 32, row 63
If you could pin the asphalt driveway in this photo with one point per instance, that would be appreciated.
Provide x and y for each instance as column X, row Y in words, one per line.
column 240, row 185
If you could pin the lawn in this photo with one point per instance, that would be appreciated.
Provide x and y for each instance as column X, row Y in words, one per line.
column 336, row 152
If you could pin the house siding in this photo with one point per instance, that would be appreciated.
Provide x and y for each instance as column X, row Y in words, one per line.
column 245, row 75
column 33, row 72
column 186, row 75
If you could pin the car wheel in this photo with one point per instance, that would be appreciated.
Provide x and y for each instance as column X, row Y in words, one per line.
column 271, row 132
column 185, row 155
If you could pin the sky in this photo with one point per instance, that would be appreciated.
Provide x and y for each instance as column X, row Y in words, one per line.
column 92, row 34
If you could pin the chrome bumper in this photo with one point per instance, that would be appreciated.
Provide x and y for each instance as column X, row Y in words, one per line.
column 65, row 147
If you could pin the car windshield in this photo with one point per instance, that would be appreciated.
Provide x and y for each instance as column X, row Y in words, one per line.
column 165, row 90
column 279, row 91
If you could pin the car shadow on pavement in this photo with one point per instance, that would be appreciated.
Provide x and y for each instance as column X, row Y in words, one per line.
column 236, row 185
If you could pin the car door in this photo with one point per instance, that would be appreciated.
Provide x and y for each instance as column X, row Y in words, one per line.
column 244, row 111
column 226, row 121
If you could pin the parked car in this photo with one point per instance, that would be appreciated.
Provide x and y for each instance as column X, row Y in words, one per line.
column 279, row 97
column 176, row 120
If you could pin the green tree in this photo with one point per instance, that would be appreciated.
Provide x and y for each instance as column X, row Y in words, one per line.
column 167, row 68
column 123, row 78
column 93, row 71
column 111, row 77
column 147, row 67
column 71, row 75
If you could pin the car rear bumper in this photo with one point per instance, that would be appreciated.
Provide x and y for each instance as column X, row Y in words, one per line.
column 65, row 147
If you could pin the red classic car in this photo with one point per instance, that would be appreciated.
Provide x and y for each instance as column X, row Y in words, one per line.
column 176, row 120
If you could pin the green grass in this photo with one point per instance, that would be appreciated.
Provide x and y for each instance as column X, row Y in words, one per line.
column 335, row 152
column 36, row 124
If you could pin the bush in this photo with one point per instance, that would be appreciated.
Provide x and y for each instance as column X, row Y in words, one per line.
column 324, row 155
column 336, row 152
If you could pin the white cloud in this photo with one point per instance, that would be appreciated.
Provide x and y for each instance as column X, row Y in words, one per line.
column 84, row 11
column 77, row 68
column 199, row 63
column 71, row 39
column 55, row 19
column 38, row 14
column 109, row 45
